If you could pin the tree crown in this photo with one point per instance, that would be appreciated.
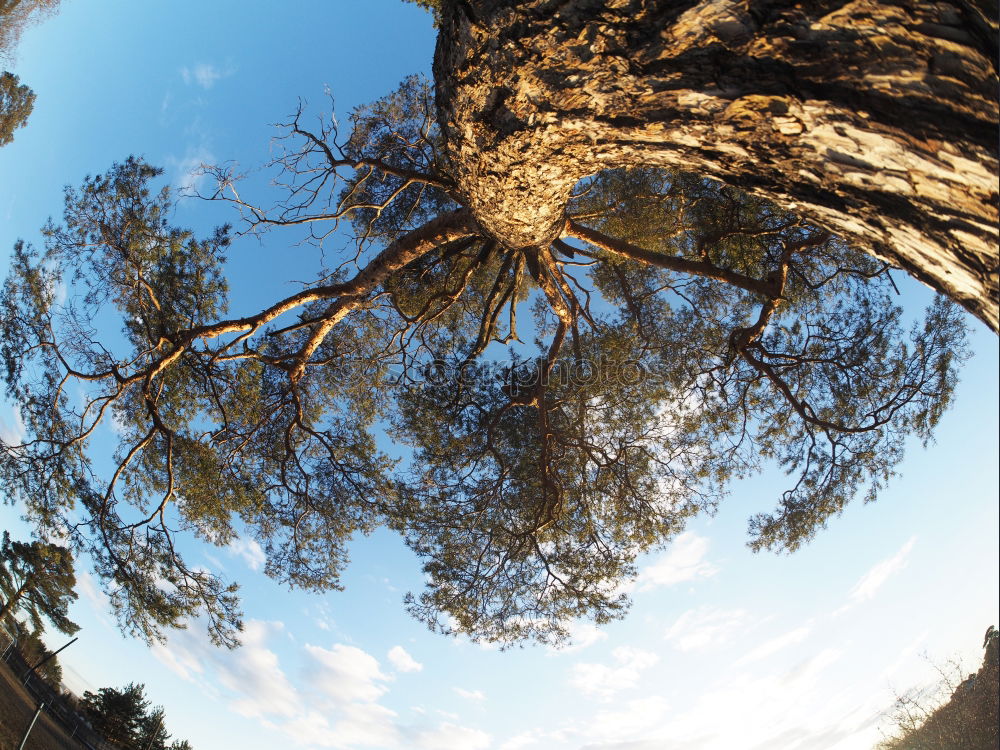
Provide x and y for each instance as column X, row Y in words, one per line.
column 678, row 334
column 37, row 578
column 16, row 103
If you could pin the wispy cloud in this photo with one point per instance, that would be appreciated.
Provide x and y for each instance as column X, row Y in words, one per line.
column 683, row 561
column 12, row 431
column 869, row 584
column 604, row 681
column 776, row 644
column 756, row 709
column 402, row 661
column 335, row 702
column 358, row 725
column 581, row 636
column 345, row 674
column 471, row 695
column 206, row 74
column 448, row 736
column 249, row 550
column 188, row 170
column 628, row 720
column 88, row 586
column 256, row 676
column 704, row 627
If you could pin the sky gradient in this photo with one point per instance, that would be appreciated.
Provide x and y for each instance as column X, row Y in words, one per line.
column 723, row 648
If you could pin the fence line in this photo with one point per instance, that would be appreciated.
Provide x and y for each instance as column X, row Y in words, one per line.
column 67, row 717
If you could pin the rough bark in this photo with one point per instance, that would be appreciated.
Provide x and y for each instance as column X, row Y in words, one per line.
column 876, row 120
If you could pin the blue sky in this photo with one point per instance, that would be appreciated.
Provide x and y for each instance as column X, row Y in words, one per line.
column 723, row 648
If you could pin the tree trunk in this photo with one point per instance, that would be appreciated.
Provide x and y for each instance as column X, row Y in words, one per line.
column 876, row 120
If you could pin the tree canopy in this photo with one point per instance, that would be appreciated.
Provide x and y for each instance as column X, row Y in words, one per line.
column 37, row 579
column 16, row 16
column 16, row 103
column 566, row 406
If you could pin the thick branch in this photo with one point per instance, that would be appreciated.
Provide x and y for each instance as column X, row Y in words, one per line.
column 876, row 120
column 624, row 249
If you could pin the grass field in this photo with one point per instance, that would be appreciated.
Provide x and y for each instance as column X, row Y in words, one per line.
column 16, row 709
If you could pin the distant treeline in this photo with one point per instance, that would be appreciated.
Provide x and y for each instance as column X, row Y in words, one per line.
column 969, row 719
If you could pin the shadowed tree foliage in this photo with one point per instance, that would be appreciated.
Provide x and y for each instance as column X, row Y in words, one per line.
column 124, row 717
column 34, row 650
column 968, row 719
column 568, row 405
column 117, row 714
column 16, row 103
column 37, row 580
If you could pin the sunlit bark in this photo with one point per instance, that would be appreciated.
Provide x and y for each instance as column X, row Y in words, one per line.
column 876, row 120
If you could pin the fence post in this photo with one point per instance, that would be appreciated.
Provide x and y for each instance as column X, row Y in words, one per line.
column 31, row 725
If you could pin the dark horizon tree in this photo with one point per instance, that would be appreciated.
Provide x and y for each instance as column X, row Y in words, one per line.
column 126, row 718
column 573, row 385
column 117, row 715
column 33, row 648
column 960, row 712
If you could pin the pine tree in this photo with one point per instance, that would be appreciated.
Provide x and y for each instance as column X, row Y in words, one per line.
column 16, row 103
column 37, row 579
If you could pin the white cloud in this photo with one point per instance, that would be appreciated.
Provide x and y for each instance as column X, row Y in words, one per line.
column 621, row 727
column 760, row 711
column 705, row 627
column 345, row 674
column 12, row 432
column 189, row 169
column 472, row 695
column 581, row 635
column 806, row 673
column 447, row 736
column 91, row 590
column 366, row 725
column 869, row 584
column 249, row 550
column 338, row 709
column 628, row 720
column 774, row 645
column 253, row 672
column 205, row 74
column 311, row 728
column 402, row 661
column 604, row 681
column 181, row 661
column 359, row 725
column 683, row 561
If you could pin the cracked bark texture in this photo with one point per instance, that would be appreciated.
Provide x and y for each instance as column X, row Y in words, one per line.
column 876, row 120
